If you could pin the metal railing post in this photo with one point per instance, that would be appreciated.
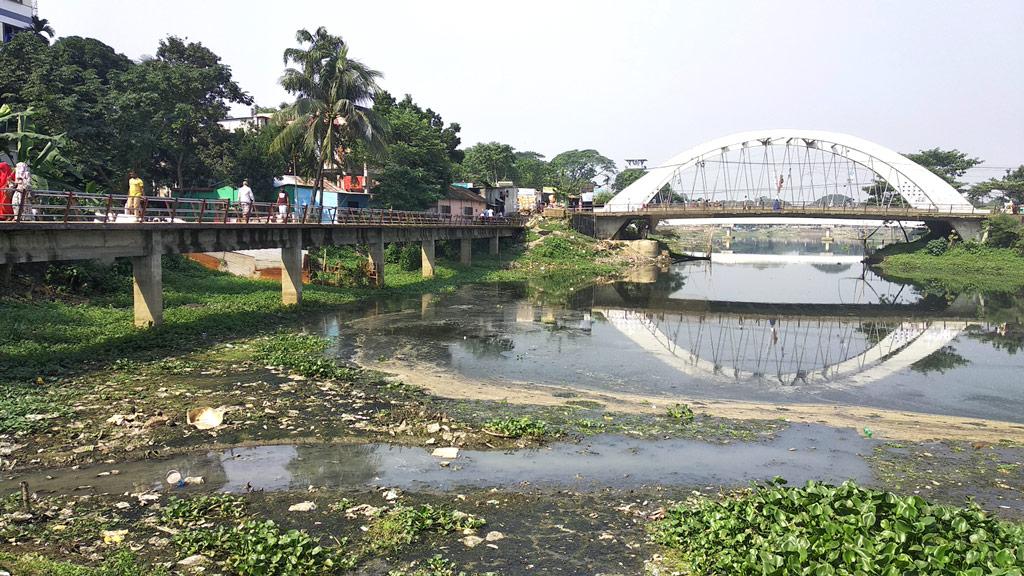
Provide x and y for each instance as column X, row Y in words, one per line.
column 202, row 210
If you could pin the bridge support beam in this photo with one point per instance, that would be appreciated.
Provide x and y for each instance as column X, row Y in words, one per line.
column 377, row 262
column 291, row 269
column 494, row 245
column 967, row 229
column 427, row 258
column 466, row 251
column 148, row 284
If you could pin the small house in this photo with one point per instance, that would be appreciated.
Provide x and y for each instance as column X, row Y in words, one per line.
column 459, row 201
column 300, row 193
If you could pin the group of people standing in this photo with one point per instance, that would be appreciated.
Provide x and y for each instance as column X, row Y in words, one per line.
column 15, row 192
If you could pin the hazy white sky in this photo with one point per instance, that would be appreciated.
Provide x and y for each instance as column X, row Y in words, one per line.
column 638, row 78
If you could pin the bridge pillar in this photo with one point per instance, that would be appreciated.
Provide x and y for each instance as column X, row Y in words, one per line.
column 967, row 229
column 147, row 285
column 377, row 261
column 494, row 246
column 291, row 269
column 427, row 258
column 466, row 251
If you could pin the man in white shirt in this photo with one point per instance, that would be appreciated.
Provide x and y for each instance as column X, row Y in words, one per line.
column 246, row 198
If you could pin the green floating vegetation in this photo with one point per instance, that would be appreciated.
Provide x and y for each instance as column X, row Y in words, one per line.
column 681, row 412
column 301, row 354
column 121, row 563
column 844, row 530
column 402, row 525
column 520, row 427
column 202, row 508
column 258, row 548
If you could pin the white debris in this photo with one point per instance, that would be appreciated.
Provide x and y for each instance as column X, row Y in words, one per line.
column 306, row 506
column 449, row 452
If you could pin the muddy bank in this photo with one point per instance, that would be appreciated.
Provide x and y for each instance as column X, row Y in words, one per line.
column 883, row 423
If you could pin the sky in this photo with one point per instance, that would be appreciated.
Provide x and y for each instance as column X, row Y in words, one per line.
column 637, row 78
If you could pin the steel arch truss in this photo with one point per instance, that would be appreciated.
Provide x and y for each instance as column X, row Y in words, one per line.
column 792, row 166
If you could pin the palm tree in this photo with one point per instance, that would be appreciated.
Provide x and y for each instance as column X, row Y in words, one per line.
column 42, row 29
column 334, row 94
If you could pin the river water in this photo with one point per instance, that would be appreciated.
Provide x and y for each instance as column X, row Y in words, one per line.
column 783, row 327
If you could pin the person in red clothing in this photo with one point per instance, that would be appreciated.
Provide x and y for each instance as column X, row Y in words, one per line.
column 6, row 190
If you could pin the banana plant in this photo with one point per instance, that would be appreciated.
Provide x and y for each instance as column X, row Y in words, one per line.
column 42, row 152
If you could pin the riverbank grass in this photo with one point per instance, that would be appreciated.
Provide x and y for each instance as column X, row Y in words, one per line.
column 962, row 267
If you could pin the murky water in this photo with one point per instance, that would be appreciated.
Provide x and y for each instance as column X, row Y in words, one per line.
column 799, row 453
column 776, row 328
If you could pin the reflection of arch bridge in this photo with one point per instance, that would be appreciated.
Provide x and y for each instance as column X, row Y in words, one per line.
column 785, row 173
column 790, row 351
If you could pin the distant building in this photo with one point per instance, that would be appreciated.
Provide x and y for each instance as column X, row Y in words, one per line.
column 254, row 121
column 503, row 199
column 300, row 192
column 16, row 16
column 459, row 201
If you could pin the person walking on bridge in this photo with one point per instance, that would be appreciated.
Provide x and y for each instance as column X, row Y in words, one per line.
column 246, row 199
column 282, row 206
column 133, row 206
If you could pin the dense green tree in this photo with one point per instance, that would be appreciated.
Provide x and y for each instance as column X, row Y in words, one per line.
column 418, row 159
column 177, row 98
column 573, row 169
column 488, row 163
column 245, row 154
column 947, row 164
column 332, row 109
column 627, row 177
column 530, row 170
column 1009, row 186
column 69, row 92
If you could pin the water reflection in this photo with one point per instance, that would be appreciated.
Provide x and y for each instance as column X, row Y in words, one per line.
column 794, row 332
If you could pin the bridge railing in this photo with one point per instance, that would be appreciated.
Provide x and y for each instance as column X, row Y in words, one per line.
column 809, row 207
column 74, row 207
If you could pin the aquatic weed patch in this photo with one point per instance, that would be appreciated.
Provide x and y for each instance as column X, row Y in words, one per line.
column 680, row 412
column 122, row 563
column 24, row 409
column 301, row 354
column 202, row 508
column 262, row 549
column 402, row 525
column 844, row 530
column 520, row 427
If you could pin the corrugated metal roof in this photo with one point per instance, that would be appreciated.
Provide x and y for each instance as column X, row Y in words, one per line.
column 457, row 193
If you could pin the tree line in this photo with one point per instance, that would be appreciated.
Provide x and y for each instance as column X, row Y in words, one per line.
column 99, row 114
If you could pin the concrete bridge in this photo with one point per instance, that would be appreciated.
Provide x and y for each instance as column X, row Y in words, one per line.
column 787, row 173
column 71, row 231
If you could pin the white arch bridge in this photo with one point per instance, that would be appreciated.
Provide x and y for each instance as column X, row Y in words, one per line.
column 785, row 173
